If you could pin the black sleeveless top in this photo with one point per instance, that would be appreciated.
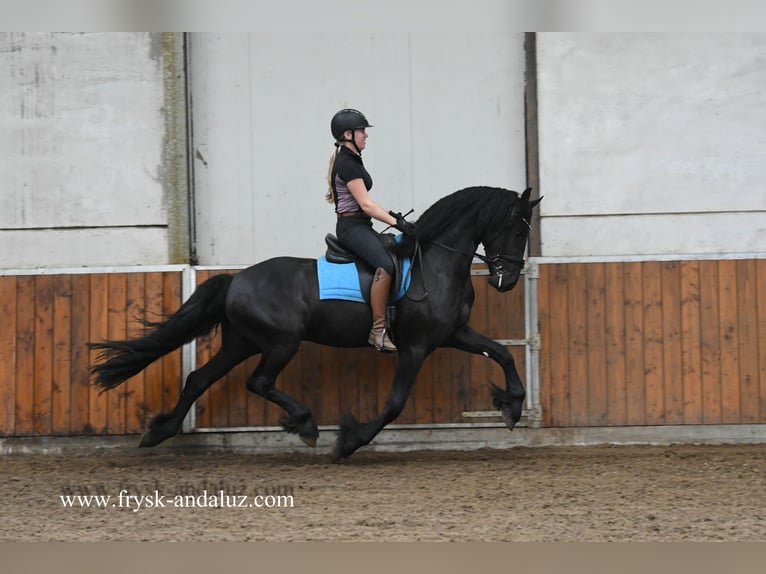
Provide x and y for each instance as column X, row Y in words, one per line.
column 348, row 166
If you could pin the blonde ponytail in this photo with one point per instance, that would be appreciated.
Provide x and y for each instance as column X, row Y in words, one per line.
column 330, row 195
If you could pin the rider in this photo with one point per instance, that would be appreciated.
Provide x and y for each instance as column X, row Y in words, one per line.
column 349, row 183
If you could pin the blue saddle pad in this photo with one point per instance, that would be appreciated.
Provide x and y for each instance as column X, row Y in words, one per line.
column 341, row 281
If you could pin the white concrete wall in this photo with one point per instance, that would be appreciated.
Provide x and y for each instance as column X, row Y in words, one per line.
column 652, row 143
column 649, row 143
column 81, row 150
column 447, row 109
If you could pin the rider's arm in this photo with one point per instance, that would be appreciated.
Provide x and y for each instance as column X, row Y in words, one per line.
column 359, row 191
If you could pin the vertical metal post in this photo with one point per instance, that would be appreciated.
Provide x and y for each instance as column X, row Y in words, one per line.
column 188, row 351
column 532, row 348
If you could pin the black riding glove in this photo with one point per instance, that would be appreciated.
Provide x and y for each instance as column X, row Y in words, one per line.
column 406, row 227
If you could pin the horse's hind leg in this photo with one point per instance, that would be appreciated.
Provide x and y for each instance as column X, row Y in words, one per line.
column 165, row 425
column 299, row 419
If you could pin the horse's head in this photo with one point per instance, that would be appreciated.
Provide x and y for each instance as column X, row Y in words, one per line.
column 505, row 245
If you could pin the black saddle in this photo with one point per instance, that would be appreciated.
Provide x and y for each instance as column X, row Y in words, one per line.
column 336, row 253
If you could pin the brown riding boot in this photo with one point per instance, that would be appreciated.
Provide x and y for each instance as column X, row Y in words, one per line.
column 381, row 285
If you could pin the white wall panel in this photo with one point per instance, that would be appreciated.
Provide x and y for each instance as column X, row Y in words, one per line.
column 653, row 234
column 447, row 110
column 634, row 124
column 83, row 130
column 105, row 247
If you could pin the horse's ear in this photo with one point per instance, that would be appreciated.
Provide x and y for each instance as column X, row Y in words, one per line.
column 525, row 196
column 536, row 201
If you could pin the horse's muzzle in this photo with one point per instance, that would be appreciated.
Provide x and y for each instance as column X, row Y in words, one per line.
column 503, row 281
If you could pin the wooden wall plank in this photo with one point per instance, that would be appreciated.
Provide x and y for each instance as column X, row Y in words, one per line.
column 501, row 321
column 423, row 392
column 204, row 353
column 546, row 328
column 450, row 374
column 513, row 327
column 43, row 381
column 256, row 405
column 672, row 365
column 135, row 309
column 117, row 398
column 558, row 355
column 577, row 302
column 653, row 343
column 497, row 310
column 237, row 402
column 8, row 355
column 99, row 331
column 691, row 342
column 328, row 410
column 347, row 373
column 479, row 365
column 747, row 322
column 25, row 356
column 153, row 391
column 300, row 379
column 386, row 372
column 615, row 344
column 313, row 383
column 367, row 405
column 80, row 357
column 760, row 280
column 171, row 363
column 730, row 395
column 62, row 358
column 635, row 386
column 672, row 379
column 460, row 369
column 598, row 391
column 711, row 343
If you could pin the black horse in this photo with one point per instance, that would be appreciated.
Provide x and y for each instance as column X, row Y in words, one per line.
column 271, row 307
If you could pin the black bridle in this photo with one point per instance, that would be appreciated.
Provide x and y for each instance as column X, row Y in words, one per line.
column 495, row 262
column 499, row 259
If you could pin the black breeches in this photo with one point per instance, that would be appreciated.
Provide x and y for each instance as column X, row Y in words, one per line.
column 357, row 235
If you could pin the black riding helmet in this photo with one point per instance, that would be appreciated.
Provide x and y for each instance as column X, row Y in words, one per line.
column 347, row 120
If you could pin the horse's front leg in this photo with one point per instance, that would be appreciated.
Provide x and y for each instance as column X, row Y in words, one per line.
column 354, row 434
column 508, row 401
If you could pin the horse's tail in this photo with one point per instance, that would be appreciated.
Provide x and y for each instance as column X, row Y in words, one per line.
column 199, row 315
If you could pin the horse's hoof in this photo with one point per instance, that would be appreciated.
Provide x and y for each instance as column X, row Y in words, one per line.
column 337, row 456
column 304, row 427
column 148, row 439
column 309, row 440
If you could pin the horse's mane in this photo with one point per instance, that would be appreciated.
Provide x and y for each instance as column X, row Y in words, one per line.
column 481, row 207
